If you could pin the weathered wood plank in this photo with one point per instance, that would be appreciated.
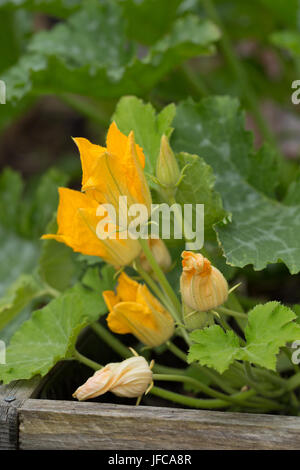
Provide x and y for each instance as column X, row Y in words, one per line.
column 11, row 398
column 46, row 424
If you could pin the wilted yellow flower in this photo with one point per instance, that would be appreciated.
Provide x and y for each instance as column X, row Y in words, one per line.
column 133, row 309
column 108, row 173
column 203, row 287
column 129, row 378
column 160, row 253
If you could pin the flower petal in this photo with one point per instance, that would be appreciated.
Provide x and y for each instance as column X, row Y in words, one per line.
column 89, row 153
column 116, row 143
column 72, row 229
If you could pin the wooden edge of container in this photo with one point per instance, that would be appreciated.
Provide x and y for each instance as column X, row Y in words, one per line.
column 11, row 398
column 51, row 424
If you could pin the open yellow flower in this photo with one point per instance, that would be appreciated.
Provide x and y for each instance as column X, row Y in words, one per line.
column 133, row 309
column 107, row 174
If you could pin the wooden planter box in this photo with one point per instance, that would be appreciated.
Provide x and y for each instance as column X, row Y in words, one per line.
column 27, row 422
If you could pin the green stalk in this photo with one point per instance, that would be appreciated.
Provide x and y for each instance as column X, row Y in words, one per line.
column 152, row 284
column 86, row 107
column 161, row 278
column 213, row 376
column 203, row 403
column 258, row 386
column 239, row 398
column 110, row 339
column 293, row 382
column 197, row 86
column 86, row 361
column 123, row 351
column 176, row 351
column 232, row 313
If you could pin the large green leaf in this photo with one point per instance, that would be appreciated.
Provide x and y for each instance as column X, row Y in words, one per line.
column 19, row 294
column 149, row 20
column 132, row 114
column 197, row 187
column 263, row 230
column 214, row 347
column 91, row 47
column 51, row 7
column 270, row 326
column 17, row 256
column 23, row 218
column 56, row 264
column 50, row 334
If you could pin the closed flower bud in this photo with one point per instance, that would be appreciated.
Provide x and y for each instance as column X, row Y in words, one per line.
column 203, row 287
column 167, row 169
column 160, row 253
column 129, row 378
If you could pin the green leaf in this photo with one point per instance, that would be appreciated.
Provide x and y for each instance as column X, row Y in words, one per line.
column 263, row 170
column 149, row 20
column 289, row 40
column 60, row 8
column 214, row 347
column 23, row 218
column 17, row 256
column 132, row 114
column 56, row 265
column 50, row 334
column 100, row 282
column 102, row 56
column 19, row 294
column 197, row 187
column 11, row 189
column 263, row 230
column 270, row 326
column 285, row 12
column 45, row 200
column 296, row 309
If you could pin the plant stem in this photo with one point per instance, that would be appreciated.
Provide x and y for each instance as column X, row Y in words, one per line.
column 252, row 381
column 110, row 339
column 203, row 403
column 211, row 375
column 152, row 284
column 86, row 107
column 50, row 291
column 176, row 351
column 239, row 398
column 238, row 71
column 232, row 313
column 86, row 361
column 161, row 278
column 197, row 86
column 293, row 382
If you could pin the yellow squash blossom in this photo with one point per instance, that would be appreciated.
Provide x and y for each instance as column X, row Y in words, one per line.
column 107, row 174
column 202, row 286
column 133, row 309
